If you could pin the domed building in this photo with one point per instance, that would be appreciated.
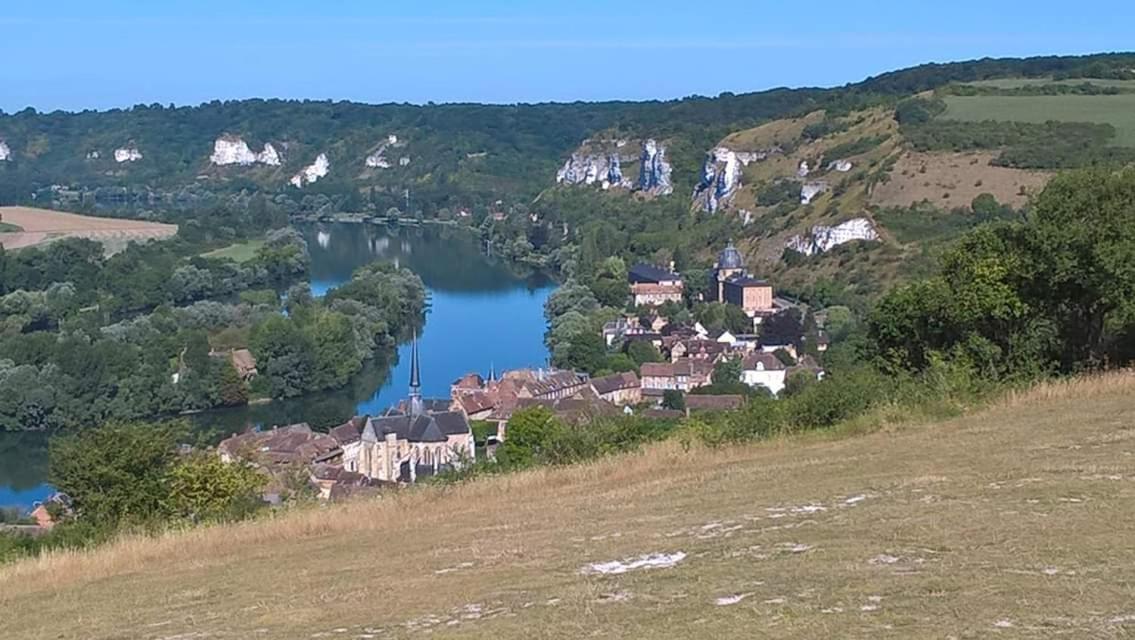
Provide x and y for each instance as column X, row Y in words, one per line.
column 734, row 285
column 730, row 264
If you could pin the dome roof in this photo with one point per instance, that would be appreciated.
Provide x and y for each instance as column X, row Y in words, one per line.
column 730, row 258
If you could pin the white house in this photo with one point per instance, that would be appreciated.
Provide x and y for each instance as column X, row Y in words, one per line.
column 765, row 370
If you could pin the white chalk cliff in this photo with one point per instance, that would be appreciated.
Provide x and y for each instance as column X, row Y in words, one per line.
column 313, row 172
column 600, row 163
column 654, row 172
column 5, row 152
column 589, row 169
column 377, row 159
column 822, row 239
column 720, row 179
column 810, row 190
column 127, row 154
column 229, row 150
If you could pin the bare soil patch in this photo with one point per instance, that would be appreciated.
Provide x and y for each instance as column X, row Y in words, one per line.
column 961, row 176
column 43, row 225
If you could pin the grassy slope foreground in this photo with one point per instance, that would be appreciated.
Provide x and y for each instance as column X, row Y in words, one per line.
column 1014, row 522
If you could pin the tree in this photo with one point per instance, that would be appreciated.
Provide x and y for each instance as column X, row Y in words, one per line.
column 586, row 352
column 674, row 400
column 116, row 473
column 201, row 488
column 786, row 327
column 527, row 430
column 728, row 371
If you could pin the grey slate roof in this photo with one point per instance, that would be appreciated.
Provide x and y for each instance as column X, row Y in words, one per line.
column 646, row 273
column 434, row 427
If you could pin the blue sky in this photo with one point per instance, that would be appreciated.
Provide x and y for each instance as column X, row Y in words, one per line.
column 68, row 54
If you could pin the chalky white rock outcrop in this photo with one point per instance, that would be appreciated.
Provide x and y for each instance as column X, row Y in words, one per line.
column 127, row 154
column 604, row 170
column 377, row 159
column 810, row 190
column 822, row 239
column 600, row 163
column 842, row 166
column 313, row 172
column 654, row 174
column 720, row 180
column 229, row 150
column 5, row 152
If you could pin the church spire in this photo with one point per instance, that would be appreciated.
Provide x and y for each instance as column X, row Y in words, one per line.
column 492, row 372
column 416, row 408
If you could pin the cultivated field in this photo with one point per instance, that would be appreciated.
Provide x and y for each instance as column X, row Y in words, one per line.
column 41, row 225
column 1118, row 110
column 1012, row 523
column 960, row 176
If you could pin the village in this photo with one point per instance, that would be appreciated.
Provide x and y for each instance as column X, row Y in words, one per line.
column 424, row 437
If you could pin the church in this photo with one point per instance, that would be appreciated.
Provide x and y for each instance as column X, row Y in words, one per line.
column 414, row 439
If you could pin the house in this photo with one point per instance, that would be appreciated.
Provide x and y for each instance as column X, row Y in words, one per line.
column 681, row 375
column 652, row 286
column 772, row 346
column 579, row 409
column 244, row 363
column 280, row 446
column 765, row 370
column 620, row 389
column 698, row 349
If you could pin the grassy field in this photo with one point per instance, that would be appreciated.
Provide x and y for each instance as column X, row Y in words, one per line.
column 1118, row 111
column 38, row 226
column 1011, row 523
column 241, row 252
column 7, row 227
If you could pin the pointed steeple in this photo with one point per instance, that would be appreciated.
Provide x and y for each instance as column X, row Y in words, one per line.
column 492, row 372
column 416, row 408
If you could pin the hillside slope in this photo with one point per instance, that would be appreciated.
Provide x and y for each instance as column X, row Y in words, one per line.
column 1011, row 523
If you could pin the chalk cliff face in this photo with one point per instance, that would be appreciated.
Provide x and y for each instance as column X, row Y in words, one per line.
column 127, row 154
column 654, row 175
column 377, row 159
column 589, row 169
column 232, row 150
column 313, row 172
column 721, row 175
column 5, row 152
column 600, row 163
column 720, row 179
column 810, row 190
column 822, row 239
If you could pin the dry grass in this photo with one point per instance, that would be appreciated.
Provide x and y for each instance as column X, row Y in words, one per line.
column 964, row 176
column 1011, row 523
column 43, row 225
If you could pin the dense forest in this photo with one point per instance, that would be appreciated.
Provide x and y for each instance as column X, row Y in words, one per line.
column 447, row 156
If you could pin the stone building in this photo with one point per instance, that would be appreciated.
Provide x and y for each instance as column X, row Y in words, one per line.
column 417, row 438
column 734, row 285
column 620, row 389
column 651, row 286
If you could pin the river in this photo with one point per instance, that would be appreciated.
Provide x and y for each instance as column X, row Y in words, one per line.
column 482, row 314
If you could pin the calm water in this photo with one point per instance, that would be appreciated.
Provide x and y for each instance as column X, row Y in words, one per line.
column 481, row 314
